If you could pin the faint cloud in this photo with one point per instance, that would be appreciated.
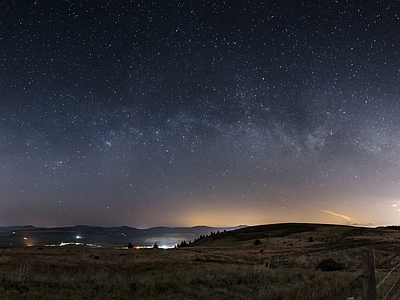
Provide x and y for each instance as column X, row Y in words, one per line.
column 335, row 214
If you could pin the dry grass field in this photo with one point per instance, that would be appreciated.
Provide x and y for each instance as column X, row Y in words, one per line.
column 222, row 266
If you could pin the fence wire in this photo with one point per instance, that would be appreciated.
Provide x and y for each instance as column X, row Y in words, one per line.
column 385, row 297
column 387, row 276
column 392, row 288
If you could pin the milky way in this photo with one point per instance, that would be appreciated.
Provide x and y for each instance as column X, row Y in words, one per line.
column 144, row 113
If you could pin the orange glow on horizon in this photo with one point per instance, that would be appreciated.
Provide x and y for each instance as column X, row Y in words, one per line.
column 349, row 212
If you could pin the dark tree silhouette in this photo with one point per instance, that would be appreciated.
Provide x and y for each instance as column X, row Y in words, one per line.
column 182, row 244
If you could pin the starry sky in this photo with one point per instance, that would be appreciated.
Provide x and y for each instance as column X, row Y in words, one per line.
column 182, row 113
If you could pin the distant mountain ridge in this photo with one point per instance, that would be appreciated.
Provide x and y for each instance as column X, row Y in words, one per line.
column 167, row 237
column 18, row 236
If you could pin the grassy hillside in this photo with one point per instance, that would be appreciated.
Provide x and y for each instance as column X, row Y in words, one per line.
column 226, row 265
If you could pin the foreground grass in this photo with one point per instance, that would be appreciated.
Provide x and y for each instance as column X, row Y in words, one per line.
column 79, row 273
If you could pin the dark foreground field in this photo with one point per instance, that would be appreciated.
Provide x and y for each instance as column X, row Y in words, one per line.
column 223, row 266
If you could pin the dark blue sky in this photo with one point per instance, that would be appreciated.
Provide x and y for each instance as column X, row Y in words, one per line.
column 181, row 113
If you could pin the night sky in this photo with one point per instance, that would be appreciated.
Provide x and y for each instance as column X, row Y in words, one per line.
column 182, row 113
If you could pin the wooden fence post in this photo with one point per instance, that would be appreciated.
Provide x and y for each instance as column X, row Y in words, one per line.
column 369, row 279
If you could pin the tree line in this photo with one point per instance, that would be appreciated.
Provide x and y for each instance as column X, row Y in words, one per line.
column 201, row 237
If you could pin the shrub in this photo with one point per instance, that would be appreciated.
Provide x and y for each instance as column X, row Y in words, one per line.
column 257, row 242
column 311, row 239
column 328, row 265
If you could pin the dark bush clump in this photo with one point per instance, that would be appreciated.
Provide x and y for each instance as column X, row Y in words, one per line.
column 257, row 242
column 328, row 265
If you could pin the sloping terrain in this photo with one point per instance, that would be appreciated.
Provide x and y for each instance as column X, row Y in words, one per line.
column 310, row 240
